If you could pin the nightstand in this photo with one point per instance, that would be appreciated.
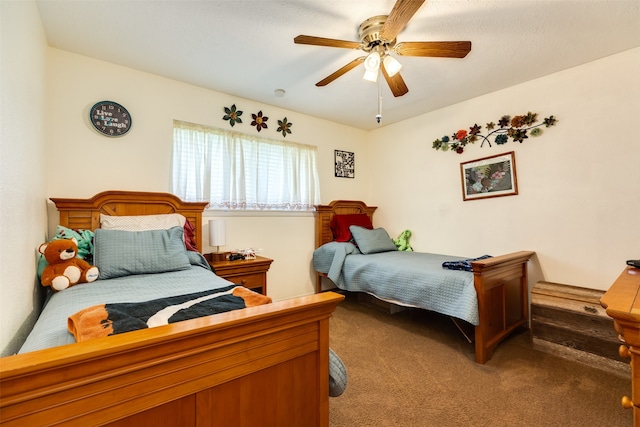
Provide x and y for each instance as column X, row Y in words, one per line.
column 250, row 273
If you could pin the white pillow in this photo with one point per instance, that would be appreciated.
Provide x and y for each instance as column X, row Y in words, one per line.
column 142, row 222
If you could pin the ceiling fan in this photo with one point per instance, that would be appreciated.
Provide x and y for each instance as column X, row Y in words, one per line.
column 378, row 39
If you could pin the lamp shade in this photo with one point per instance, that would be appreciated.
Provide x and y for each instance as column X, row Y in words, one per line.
column 371, row 66
column 391, row 65
column 370, row 75
column 217, row 232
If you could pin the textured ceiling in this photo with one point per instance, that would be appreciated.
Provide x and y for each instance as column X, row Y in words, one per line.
column 246, row 49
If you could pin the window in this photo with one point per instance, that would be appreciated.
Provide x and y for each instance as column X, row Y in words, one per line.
column 231, row 170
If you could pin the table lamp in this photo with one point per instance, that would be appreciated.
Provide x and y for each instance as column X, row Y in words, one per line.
column 217, row 237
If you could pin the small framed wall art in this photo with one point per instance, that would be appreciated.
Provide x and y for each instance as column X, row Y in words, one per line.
column 492, row 176
column 345, row 164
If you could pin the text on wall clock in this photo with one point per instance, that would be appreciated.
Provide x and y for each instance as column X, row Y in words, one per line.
column 110, row 118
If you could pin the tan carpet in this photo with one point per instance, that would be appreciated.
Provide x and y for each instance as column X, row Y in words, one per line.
column 414, row 368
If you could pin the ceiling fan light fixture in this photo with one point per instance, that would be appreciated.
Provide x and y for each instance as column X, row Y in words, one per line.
column 370, row 75
column 391, row 65
column 371, row 66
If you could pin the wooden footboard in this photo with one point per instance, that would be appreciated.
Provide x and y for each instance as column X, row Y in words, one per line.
column 266, row 365
column 503, row 299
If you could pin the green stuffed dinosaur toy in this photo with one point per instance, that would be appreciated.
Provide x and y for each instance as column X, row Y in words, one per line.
column 402, row 242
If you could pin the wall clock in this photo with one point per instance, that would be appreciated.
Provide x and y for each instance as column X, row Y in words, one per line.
column 110, row 118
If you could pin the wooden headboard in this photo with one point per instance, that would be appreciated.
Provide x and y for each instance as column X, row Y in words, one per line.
column 324, row 213
column 85, row 213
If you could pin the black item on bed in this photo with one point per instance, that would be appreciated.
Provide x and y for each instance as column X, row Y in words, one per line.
column 464, row 264
column 111, row 319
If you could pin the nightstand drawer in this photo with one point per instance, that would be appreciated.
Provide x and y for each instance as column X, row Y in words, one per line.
column 248, row 280
column 250, row 273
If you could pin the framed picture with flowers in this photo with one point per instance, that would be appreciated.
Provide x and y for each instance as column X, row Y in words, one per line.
column 492, row 176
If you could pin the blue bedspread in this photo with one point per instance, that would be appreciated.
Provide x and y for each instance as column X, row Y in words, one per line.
column 51, row 330
column 408, row 278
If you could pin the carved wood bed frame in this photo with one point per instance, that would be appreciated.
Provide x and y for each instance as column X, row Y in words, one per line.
column 500, row 282
column 265, row 365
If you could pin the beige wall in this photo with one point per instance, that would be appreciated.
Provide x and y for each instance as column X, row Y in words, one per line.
column 22, row 167
column 578, row 205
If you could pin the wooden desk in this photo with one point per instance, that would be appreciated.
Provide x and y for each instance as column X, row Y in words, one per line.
column 622, row 303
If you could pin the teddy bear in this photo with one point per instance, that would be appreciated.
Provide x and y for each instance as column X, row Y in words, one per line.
column 64, row 268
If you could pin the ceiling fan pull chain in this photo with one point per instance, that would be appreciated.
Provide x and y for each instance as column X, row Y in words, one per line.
column 379, row 115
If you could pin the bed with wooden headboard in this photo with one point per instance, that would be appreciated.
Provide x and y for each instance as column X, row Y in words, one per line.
column 500, row 282
column 264, row 365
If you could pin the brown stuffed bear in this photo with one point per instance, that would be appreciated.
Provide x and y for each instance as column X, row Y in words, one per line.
column 64, row 268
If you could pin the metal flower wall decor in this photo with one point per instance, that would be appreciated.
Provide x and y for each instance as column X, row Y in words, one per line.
column 232, row 115
column 284, row 127
column 259, row 121
column 517, row 128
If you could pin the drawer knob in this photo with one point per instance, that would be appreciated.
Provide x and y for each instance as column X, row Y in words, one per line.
column 623, row 351
column 244, row 282
column 626, row 402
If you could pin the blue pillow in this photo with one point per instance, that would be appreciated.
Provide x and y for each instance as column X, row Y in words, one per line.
column 372, row 241
column 121, row 253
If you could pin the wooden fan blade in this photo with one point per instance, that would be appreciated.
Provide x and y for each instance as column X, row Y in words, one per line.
column 434, row 49
column 350, row 66
column 396, row 83
column 321, row 41
column 398, row 18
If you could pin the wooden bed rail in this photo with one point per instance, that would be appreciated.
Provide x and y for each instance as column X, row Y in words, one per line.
column 195, row 371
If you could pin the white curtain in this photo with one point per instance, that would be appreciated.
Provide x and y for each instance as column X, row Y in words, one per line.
column 231, row 170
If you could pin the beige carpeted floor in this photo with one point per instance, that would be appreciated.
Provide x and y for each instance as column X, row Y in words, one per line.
column 414, row 368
